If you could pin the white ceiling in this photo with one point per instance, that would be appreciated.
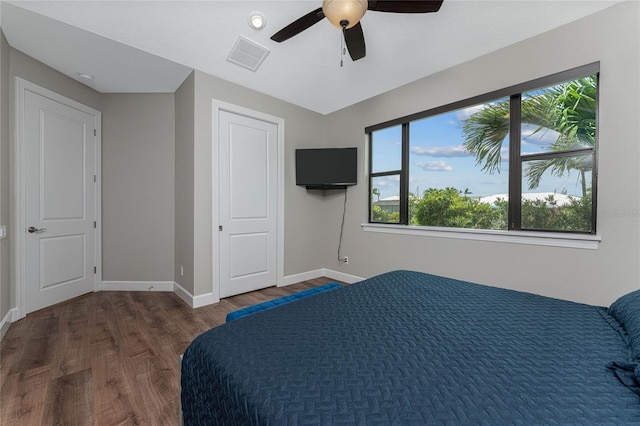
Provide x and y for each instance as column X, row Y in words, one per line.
column 151, row 46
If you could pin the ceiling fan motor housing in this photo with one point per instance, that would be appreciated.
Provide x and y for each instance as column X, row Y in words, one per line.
column 339, row 11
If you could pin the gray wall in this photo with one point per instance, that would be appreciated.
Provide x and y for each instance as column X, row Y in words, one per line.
column 6, row 299
column 184, row 232
column 138, row 187
column 611, row 37
column 304, row 216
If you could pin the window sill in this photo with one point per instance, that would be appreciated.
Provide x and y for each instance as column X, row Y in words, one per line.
column 580, row 241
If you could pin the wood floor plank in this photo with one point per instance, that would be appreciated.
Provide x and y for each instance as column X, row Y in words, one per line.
column 74, row 338
column 104, row 339
column 107, row 358
column 113, row 401
column 160, row 376
column 23, row 397
column 12, row 348
column 43, row 343
column 69, row 399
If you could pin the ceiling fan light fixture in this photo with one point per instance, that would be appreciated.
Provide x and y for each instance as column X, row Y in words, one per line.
column 339, row 11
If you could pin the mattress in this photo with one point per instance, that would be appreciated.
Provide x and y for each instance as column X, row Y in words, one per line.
column 412, row 348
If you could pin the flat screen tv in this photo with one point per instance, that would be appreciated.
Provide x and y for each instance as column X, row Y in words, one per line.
column 327, row 168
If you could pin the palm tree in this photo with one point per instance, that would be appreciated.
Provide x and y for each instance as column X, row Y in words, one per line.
column 376, row 192
column 568, row 109
column 486, row 130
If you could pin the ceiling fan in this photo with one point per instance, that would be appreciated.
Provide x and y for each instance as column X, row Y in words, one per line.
column 346, row 15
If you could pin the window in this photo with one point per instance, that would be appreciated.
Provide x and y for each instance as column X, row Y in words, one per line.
column 522, row 158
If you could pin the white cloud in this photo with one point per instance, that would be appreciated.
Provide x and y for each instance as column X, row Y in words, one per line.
column 387, row 185
column 504, row 154
column 434, row 166
column 534, row 135
column 465, row 113
column 384, row 181
column 441, row 151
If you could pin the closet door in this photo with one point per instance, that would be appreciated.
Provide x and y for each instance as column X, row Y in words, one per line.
column 248, row 203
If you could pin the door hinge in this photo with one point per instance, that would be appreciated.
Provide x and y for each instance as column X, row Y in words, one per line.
column 220, row 228
column 95, row 224
column 95, row 132
column 95, row 178
column 95, row 269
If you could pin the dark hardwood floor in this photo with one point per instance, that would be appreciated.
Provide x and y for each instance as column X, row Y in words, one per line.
column 107, row 358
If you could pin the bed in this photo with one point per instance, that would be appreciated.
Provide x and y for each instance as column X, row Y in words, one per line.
column 412, row 348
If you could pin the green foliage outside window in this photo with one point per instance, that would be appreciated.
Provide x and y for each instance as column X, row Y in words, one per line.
column 449, row 207
column 379, row 215
column 548, row 215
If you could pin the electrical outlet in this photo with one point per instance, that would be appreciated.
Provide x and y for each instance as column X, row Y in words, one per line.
column 345, row 260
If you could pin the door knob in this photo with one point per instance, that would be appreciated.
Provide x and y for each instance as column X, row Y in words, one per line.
column 33, row 229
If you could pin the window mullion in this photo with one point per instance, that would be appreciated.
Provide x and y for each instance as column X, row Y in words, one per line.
column 404, row 177
column 370, row 171
column 515, row 164
column 557, row 154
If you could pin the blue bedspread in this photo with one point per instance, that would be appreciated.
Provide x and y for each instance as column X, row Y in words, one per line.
column 411, row 348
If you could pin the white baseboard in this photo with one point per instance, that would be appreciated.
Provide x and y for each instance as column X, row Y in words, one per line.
column 191, row 300
column 137, row 285
column 204, row 300
column 341, row 276
column 303, row 276
column 322, row 272
column 183, row 294
column 11, row 316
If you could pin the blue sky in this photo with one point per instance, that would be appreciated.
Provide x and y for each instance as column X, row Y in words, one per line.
column 438, row 160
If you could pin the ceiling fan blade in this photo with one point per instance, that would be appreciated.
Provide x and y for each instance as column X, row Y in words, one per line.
column 299, row 25
column 354, row 38
column 405, row 6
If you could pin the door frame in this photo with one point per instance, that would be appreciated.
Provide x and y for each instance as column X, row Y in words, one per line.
column 18, row 240
column 219, row 106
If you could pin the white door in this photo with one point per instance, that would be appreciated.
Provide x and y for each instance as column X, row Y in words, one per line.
column 248, row 203
column 59, row 159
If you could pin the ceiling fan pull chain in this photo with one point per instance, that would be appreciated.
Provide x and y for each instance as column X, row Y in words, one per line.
column 343, row 49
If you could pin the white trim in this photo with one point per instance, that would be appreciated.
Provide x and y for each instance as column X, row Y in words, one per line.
column 183, row 294
column 218, row 106
column 322, row 272
column 137, row 285
column 303, row 276
column 341, row 276
column 98, row 201
column 204, row 300
column 579, row 241
column 194, row 301
column 11, row 316
column 18, row 185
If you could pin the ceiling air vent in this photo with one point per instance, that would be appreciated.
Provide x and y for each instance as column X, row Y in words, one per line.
column 247, row 54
